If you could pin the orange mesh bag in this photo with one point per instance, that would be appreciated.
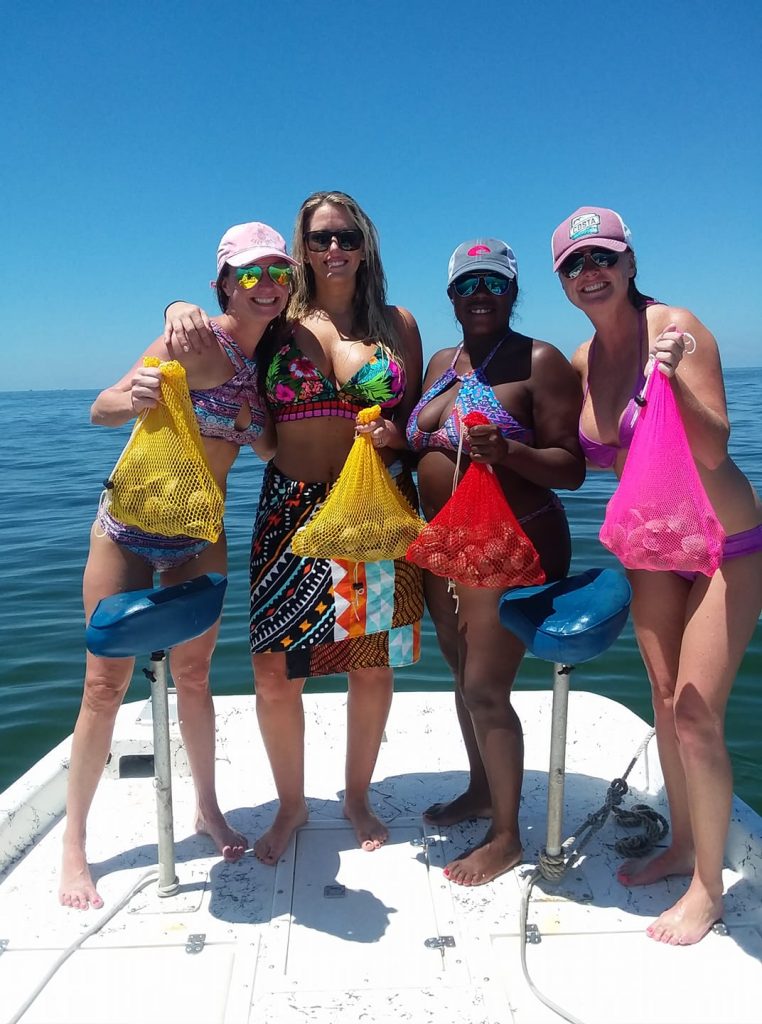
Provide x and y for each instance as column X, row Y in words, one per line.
column 162, row 482
column 365, row 518
column 475, row 539
column 659, row 517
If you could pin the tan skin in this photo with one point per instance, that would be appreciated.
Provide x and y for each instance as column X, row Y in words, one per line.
column 315, row 450
column 111, row 569
column 535, row 383
column 692, row 636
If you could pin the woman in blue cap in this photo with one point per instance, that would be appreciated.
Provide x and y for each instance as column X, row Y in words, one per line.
column 530, row 395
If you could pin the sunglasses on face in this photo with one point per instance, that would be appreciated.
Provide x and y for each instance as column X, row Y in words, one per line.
column 494, row 283
column 348, row 239
column 573, row 267
column 249, row 277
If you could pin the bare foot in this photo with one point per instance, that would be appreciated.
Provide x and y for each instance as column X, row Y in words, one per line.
column 77, row 889
column 467, row 805
column 231, row 844
column 493, row 857
column 370, row 831
column 644, row 872
column 272, row 844
column 689, row 920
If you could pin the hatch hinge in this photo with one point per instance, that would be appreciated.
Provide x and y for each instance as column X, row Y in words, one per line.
column 334, row 892
column 424, row 841
column 440, row 942
column 196, row 942
column 720, row 928
column 4, row 943
column 533, row 935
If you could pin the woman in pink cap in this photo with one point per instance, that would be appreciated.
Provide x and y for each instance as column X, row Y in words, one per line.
column 528, row 392
column 347, row 350
column 692, row 631
column 253, row 275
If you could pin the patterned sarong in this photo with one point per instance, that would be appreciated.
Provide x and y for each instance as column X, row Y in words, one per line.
column 327, row 616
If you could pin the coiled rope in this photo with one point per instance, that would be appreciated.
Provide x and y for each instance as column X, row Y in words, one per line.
column 553, row 868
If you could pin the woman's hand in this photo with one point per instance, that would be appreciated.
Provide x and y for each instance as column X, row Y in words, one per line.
column 187, row 327
column 381, row 432
column 145, row 389
column 487, row 445
column 669, row 348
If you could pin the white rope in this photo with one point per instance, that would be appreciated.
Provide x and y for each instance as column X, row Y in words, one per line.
column 553, row 868
column 141, row 883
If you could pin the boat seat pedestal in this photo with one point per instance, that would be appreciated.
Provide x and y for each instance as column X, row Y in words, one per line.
column 567, row 622
column 133, row 623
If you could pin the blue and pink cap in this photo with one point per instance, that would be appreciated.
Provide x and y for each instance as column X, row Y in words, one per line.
column 482, row 254
column 589, row 225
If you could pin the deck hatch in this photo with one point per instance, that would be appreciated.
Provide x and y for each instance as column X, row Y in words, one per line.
column 329, row 909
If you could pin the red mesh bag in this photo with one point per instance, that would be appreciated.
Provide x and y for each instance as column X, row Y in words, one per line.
column 475, row 539
column 659, row 517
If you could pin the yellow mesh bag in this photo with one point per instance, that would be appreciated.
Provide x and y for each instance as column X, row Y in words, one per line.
column 365, row 518
column 162, row 482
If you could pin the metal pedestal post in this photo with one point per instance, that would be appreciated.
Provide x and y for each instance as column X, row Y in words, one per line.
column 168, row 883
column 557, row 768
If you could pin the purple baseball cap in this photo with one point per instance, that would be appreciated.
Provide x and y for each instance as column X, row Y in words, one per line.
column 244, row 243
column 483, row 254
column 589, row 225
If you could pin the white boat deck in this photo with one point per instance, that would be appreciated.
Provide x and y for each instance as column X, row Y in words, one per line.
column 333, row 934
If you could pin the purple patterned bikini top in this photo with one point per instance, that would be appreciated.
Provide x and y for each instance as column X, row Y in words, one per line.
column 601, row 455
column 217, row 408
column 475, row 395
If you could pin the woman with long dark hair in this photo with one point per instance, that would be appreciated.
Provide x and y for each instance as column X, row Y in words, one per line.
column 692, row 629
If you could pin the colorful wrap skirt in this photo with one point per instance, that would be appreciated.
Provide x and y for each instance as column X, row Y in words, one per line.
column 328, row 617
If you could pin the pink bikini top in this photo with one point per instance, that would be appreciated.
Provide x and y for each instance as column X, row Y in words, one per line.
column 601, row 455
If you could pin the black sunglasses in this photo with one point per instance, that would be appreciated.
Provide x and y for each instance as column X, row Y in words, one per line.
column 348, row 239
column 572, row 267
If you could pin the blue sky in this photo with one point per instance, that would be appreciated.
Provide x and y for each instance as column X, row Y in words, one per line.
column 136, row 133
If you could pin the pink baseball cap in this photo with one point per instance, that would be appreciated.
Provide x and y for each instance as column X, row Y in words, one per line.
column 589, row 225
column 244, row 243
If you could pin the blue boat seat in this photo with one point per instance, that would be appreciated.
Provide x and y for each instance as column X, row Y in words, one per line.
column 143, row 621
column 572, row 620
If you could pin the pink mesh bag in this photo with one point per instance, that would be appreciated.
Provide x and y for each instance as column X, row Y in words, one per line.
column 659, row 517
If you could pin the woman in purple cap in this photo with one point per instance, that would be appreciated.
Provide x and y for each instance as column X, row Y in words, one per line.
column 347, row 350
column 529, row 392
column 693, row 631
column 253, row 275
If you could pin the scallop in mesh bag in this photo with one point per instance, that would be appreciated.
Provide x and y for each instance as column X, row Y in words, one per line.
column 162, row 482
column 365, row 517
column 475, row 539
column 659, row 517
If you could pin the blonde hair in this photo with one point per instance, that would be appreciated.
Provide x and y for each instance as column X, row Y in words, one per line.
column 371, row 318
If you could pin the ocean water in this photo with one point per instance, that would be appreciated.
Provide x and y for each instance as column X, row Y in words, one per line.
column 52, row 463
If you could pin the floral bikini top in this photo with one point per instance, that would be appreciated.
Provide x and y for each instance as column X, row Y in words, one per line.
column 217, row 408
column 297, row 390
column 475, row 395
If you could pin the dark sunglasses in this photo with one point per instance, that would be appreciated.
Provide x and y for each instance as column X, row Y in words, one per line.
column 348, row 239
column 572, row 267
column 495, row 283
column 249, row 277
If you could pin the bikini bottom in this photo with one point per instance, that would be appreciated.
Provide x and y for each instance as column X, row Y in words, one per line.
column 162, row 553
column 736, row 546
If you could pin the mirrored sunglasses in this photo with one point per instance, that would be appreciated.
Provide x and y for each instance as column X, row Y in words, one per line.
column 494, row 283
column 573, row 266
column 249, row 277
